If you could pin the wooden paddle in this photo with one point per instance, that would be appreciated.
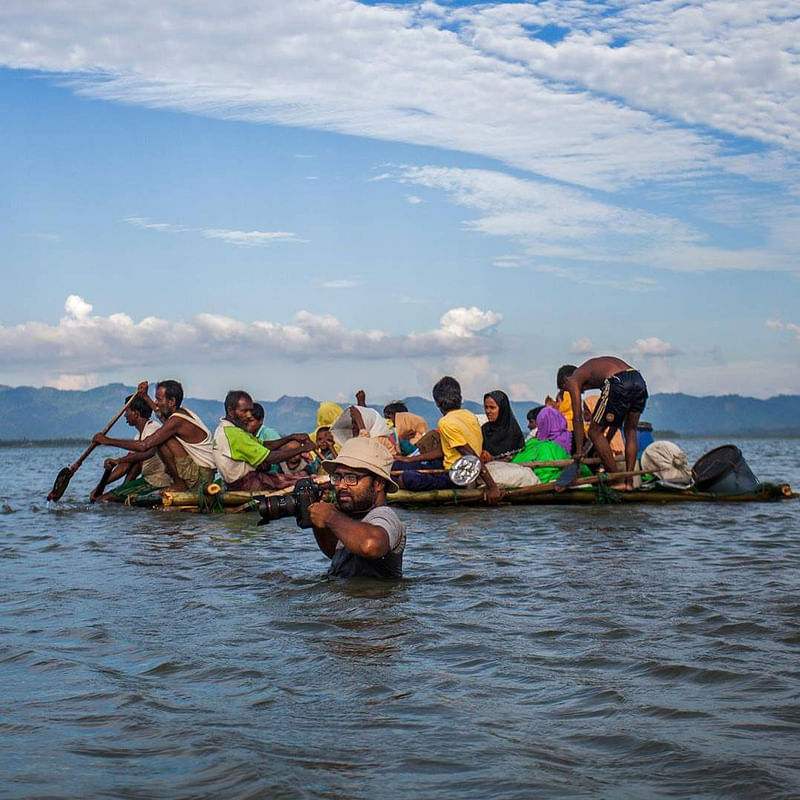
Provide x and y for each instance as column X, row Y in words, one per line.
column 568, row 475
column 63, row 478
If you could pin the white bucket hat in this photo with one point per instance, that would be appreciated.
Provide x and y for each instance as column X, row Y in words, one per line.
column 368, row 454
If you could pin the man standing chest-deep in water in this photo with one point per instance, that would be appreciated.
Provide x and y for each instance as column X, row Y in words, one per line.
column 360, row 533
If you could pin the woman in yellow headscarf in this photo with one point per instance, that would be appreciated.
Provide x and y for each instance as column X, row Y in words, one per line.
column 327, row 414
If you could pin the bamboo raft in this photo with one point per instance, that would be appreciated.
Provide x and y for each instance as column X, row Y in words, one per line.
column 215, row 499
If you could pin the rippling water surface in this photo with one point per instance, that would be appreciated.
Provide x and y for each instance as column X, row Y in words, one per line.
column 649, row 651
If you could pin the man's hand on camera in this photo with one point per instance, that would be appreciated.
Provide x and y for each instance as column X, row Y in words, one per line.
column 322, row 514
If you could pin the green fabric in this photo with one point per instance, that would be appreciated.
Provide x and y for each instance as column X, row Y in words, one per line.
column 244, row 446
column 535, row 450
column 135, row 488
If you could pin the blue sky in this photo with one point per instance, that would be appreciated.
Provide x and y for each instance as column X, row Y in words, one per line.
column 335, row 195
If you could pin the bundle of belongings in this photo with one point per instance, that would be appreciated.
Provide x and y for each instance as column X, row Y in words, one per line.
column 667, row 462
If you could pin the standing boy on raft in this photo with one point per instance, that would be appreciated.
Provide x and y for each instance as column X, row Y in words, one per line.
column 622, row 400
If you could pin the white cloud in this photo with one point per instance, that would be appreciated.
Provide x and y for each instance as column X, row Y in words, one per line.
column 653, row 346
column 82, row 341
column 778, row 325
column 45, row 237
column 574, row 226
column 475, row 374
column 249, row 238
column 414, row 200
column 587, row 278
column 343, row 283
column 609, row 105
column 238, row 238
column 77, row 307
column 520, row 391
column 465, row 322
column 86, row 380
column 582, row 347
column 506, row 262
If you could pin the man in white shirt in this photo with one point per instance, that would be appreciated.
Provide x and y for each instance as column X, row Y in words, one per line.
column 143, row 472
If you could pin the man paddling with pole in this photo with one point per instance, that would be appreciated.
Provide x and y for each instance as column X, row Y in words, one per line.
column 183, row 442
column 143, row 472
column 622, row 400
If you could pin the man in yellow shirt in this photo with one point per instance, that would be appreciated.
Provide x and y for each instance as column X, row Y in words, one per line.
column 460, row 434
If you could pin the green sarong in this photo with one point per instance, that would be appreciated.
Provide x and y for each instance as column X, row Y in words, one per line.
column 535, row 450
column 135, row 488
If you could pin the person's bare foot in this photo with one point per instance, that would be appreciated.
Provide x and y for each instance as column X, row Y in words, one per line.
column 621, row 487
column 177, row 486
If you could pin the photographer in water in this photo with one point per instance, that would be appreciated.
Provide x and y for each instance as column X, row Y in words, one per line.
column 360, row 533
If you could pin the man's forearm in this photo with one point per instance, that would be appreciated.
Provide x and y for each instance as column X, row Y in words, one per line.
column 432, row 455
column 137, row 458
column 360, row 538
column 126, row 444
column 276, row 456
column 326, row 541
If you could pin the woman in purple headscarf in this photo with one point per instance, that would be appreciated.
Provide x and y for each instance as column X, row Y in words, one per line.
column 551, row 426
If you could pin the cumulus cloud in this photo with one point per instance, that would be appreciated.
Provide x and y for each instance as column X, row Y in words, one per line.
column 474, row 373
column 653, row 346
column 582, row 347
column 73, row 382
column 83, row 341
column 238, row 238
column 465, row 322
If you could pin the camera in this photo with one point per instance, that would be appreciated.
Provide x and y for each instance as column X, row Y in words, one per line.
column 295, row 505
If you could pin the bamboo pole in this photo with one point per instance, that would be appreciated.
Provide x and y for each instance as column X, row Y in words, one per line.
column 235, row 502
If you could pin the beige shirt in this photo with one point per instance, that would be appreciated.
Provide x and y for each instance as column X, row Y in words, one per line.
column 153, row 470
column 202, row 453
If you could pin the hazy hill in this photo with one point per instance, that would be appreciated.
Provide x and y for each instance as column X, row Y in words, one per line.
column 28, row 413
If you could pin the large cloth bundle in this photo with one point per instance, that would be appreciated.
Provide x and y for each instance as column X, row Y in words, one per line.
column 511, row 476
column 668, row 463
column 374, row 423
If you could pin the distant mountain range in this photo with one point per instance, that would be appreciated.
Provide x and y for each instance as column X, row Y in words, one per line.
column 34, row 414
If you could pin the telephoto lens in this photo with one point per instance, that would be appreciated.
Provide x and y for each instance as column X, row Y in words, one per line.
column 295, row 505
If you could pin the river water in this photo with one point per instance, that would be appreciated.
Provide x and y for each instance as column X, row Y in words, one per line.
column 618, row 652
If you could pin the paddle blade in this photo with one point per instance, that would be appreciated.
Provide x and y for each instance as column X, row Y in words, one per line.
column 60, row 484
column 568, row 475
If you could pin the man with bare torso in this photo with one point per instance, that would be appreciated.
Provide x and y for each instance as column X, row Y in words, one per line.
column 622, row 400
column 183, row 441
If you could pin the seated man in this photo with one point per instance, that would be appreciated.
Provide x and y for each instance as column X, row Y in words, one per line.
column 143, row 472
column 242, row 460
column 360, row 534
column 183, row 442
column 460, row 434
column 622, row 400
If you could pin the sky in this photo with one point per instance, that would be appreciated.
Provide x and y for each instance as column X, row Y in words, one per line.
column 309, row 198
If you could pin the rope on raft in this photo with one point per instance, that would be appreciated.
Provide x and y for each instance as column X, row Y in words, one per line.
column 605, row 494
column 207, row 503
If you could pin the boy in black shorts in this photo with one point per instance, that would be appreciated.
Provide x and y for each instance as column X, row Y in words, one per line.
column 623, row 398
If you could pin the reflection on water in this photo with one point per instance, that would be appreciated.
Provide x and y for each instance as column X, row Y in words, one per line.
column 597, row 652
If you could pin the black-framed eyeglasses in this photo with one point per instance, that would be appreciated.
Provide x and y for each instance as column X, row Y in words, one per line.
column 347, row 478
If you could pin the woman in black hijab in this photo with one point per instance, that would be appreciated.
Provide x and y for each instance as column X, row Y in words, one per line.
column 502, row 435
